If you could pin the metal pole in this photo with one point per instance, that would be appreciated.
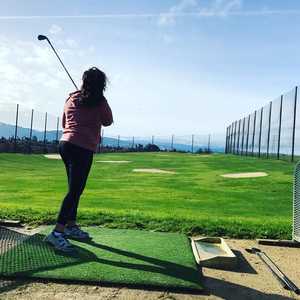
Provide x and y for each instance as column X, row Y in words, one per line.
column 30, row 133
column 152, row 142
column 45, row 132
column 234, row 138
column 208, row 144
column 118, row 141
column 294, row 123
column 132, row 142
column 192, row 143
column 253, row 137
column 260, row 129
column 269, row 129
column 57, row 127
column 238, row 140
column 247, row 141
column 226, row 140
column 102, row 140
column 243, row 136
column 279, row 128
column 16, row 128
column 172, row 142
column 231, row 138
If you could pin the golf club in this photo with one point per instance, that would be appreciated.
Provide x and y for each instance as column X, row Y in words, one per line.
column 42, row 38
column 279, row 275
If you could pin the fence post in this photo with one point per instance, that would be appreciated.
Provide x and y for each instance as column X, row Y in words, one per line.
column 226, row 140
column 279, row 127
column 294, row 123
column 16, row 128
column 45, row 130
column 253, row 137
column 234, row 142
column 260, row 129
column 192, row 143
column 269, row 129
column 100, row 141
column 243, row 136
column 231, row 138
column 247, row 141
column 238, row 139
column 57, row 127
column 30, row 133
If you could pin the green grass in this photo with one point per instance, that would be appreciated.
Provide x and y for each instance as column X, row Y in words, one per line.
column 194, row 200
column 129, row 257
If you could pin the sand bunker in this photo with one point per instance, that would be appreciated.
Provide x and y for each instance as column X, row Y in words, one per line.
column 52, row 156
column 153, row 171
column 114, row 161
column 245, row 175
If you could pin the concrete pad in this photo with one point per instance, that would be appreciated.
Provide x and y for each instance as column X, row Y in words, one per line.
column 153, row 171
column 245, row 175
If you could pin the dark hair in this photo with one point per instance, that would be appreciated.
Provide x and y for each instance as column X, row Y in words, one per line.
column 93, row 85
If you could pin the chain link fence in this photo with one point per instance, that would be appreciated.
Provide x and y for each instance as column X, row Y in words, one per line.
column 26, row 130
column 270, row 131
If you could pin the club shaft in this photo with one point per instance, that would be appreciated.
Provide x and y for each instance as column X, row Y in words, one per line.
column 62, row 64
column 287, row 281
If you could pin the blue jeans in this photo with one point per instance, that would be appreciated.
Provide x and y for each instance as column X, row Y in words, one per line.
column 78, row 163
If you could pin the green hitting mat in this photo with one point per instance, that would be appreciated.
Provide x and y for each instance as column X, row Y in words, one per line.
column 114, row 256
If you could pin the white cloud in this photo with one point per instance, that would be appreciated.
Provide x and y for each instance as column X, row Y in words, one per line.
column 183, row 6
column 55, row 29
column 194, row 8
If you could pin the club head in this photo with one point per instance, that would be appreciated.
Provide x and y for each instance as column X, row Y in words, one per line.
column 42, row 37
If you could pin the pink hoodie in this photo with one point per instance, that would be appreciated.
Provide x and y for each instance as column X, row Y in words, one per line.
column 82, row 124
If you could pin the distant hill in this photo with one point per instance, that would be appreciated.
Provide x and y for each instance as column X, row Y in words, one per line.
column 7, row 131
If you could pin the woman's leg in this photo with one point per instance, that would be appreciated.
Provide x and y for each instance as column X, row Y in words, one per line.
column 85, row 167
column 78, row 162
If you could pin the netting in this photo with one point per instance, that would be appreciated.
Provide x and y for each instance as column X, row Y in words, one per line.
column 286, row 138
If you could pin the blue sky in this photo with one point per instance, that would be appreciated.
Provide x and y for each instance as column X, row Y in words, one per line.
column 183, row 67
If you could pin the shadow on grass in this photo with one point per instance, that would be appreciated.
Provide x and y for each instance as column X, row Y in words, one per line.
column 33, row 255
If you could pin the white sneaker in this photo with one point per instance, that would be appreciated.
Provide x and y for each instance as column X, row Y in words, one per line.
column 75, row 232
column 59, row 242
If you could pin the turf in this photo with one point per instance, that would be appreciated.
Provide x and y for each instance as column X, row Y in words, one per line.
column 127, row 257
column 194, row 200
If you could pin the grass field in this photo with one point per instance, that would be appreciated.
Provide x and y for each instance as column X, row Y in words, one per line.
column 194, row 200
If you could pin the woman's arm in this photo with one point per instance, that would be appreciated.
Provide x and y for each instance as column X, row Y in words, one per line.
column 63, row 120
column 106, row 114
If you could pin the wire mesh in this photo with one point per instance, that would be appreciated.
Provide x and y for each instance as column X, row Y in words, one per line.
column 265, row 130
column 296, row 204
column 286, row 138
column 274, row 129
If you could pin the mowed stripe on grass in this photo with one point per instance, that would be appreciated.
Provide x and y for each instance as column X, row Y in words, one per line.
column 196, row 199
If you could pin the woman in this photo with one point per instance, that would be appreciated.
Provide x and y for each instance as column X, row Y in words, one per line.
column 84, row 113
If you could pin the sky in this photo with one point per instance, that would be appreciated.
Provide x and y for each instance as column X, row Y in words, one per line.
column 175, row 67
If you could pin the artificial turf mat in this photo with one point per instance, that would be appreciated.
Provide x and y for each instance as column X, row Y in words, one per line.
column 114, row 256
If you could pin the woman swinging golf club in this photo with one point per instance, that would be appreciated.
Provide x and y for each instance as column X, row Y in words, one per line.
column 84, row 112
